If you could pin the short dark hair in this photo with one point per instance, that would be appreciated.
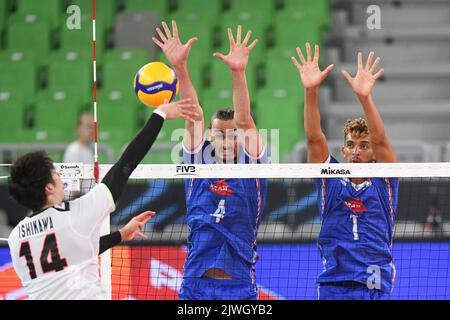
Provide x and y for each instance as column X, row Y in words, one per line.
column 222, row 114
column 29, row 176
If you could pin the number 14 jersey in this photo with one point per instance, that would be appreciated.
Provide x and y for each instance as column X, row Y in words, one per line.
column 55, row 251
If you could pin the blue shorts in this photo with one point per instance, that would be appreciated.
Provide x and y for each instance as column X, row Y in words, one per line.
column 217, row 289
column 343, row 292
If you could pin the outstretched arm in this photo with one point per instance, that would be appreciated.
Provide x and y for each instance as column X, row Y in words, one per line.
column 362, row 84
column 131, row 230
column 118, row 175
column 312, row 77
column 177, row 54
column 237, row 60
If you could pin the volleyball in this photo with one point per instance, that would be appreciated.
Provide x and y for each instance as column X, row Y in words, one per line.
column 156, row 82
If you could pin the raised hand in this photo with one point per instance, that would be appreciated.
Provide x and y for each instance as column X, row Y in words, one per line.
column 176, row 52
column 133, row 228
column 237, row 57
column 309, row 68
column 181, row 109
column 364, row 81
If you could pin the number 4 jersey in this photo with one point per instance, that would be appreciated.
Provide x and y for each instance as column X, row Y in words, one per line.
column 55, row 251
column 223, row 216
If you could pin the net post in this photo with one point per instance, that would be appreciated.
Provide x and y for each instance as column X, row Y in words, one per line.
column 105, row 258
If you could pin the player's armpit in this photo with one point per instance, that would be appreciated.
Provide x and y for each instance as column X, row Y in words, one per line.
column 251, row 141
column 384, row 153
column 192, row 151
column 193, row 137
column 318, row 150
column 261, row 158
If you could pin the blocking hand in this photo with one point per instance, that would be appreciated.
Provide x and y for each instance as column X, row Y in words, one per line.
column 364, row 81
column 237, row 58
column 308, row 68
column 176, row 52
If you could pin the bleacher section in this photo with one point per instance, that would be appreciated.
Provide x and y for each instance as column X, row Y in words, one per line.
column 413, row 95
column 46, row 72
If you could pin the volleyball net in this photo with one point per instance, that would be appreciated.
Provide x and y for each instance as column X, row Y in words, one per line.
column 289, row 225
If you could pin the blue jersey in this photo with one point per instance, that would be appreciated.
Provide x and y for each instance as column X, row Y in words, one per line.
column 223, row 216
column 355, row 240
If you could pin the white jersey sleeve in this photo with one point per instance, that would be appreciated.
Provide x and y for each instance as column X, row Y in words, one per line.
column 88, row 211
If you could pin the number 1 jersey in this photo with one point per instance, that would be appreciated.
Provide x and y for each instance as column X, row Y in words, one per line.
column 355, row 240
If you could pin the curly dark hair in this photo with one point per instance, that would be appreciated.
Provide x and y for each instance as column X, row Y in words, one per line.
column 29, row 176
column 357, row 128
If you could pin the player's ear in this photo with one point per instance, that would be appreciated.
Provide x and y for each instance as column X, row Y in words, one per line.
column 49, row 189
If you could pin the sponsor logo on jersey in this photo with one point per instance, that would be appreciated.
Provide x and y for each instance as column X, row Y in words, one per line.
column 221, row 187
column 356, row 205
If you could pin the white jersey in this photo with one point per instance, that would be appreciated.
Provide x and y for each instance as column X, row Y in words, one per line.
column 55, row 252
